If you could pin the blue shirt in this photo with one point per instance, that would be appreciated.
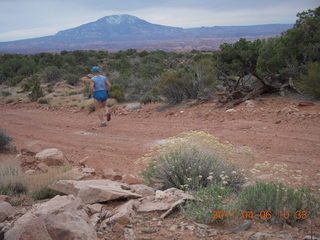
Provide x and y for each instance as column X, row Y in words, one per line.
column 99, row 83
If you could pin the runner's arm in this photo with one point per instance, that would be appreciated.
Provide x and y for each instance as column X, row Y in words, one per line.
column 108, row 84
column 91, row 88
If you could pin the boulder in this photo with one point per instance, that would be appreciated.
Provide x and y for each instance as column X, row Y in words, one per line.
column 94, row 191
column 147, row 206
column 43, row 167
column 112, row 174
column 142, row 189
column 90, row 171
column 94, row 208
column 123, row 214
column 51, row 157
column 6, row 211
column 58, row 219
column 133, row 106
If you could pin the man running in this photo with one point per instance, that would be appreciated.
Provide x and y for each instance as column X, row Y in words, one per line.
column 99, row 86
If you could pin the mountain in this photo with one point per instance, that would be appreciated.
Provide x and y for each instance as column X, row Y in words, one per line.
column 125, row 31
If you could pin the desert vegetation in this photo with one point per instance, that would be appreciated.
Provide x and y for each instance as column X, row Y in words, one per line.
column 244, row 69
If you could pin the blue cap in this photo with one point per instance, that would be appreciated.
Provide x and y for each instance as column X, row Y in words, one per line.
column 95, row 69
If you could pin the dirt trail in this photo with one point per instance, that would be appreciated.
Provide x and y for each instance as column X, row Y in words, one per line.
column 276, row 129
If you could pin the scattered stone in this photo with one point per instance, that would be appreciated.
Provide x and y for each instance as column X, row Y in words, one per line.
column 172, row 207
column 147, row 206
column 30, row 172
column 6, row 211
column 94, row 219
column 308, row 237
column 94, row 208
column 90, row 171
column 43, row 167
column 131, row 179
column 27, row 152
column 243, row 227
column 277, row 122
column 142, row 189
column 249, row 104
column 112, row 174
column 231, row 110
column 51, row 157
column 173, row 228
column 123, row 214
column 288, row 110
column 129, row 234
column 93, row 191
column 260, row 236
column 133, row 106
column 150, row 230
column 206, row 232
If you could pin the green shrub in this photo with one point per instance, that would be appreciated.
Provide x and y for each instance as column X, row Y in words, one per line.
column 90, row 107
column 191, row 169
column 15, row 80
column 45, row 193
column 148, row 98
column 117, row 92
column 5, row 93
column 50, row 88
column 276, row 198
column 207, row 200
column 27, row 86
column 4, row 140
column 43, row 100
column 310, row 82
column 71, row 79
column 12, row 189
column 51, row 74
column 36, row 92
column 9, row 100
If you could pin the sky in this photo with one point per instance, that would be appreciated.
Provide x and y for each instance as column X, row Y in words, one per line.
column 21, row 19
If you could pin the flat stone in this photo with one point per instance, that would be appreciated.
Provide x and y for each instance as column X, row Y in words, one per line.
column 94, row 191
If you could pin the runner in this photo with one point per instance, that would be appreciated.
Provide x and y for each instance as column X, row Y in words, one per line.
column 99, row 86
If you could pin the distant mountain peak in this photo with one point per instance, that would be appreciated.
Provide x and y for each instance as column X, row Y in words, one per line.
column 122, row 18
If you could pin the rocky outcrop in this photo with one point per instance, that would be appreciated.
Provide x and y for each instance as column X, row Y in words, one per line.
column 51, row 157
column 94, row 191
column 61, row 218
column 6, row 211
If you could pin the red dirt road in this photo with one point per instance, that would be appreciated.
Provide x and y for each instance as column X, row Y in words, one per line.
column 276, row 129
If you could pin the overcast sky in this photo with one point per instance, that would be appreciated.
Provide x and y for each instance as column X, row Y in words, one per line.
column 20, row 19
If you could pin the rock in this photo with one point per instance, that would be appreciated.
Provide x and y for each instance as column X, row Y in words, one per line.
column 133, row 106
column 83, row 161
column 249, row 104
column 94, row 208
column 58, row 203
column 90, row 171
column 231, row 110
column 129, row 234
column 173, row 194
column 153, row 206
column 51, row 157
column 260, row 236
column 243, row 227
column 308, row 237
column 43, row 167
column 58, row 219
column 27, row 152
column 4, row 198
column 112, row 174
column 94, row 191
column 173, row 228
column 123, row 214
column 30, row 172
column 6, row 211
column 131, row 179
column 277, row 122
column 94, row 219
column 206, row 232
column 288, row 110
column 142, row 189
